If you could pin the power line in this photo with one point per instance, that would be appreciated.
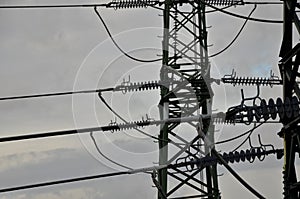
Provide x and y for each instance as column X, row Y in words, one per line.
column 263, row 2
column 86, row 130
column 123, row 119
column 241, row 16
column 53, row 6
column 140, row 131
column 65, row 181
column 113, row 174
column 207, row 12
column 238, row 34
column 56, row 133
column 71, row 180
column 232, row 171
column 111, row 127
column 236, row 175
column 110, row 5
column 48, row 134
column 130, row 172
column 59, row 133
column 105, row 156
column 239, row 136
column 138, row 86
column 99, row 16
column 248, row 137
column 117, row 45
column 55, row 94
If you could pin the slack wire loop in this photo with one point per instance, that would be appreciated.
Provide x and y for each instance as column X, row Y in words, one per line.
column 237, row 35
column 117, row 45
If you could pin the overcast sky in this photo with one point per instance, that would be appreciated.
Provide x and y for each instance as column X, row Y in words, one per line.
column 55, row 50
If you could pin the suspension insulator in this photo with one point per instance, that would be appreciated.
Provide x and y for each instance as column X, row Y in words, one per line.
column 231, row 157
column 288, row 108
column 243, row 155
column 119, row 4
column 237, row 156
column 225, row 156
column 257, row 113
column 272, row 109
column 295, row 106
column 138, row 86
column 224, row 2
column 261, row 153
column 285, row 110
column 258, row 152
column 252, row 154
column 248, row 155
column 250, row 115
column 280, row 108
column 264, row 109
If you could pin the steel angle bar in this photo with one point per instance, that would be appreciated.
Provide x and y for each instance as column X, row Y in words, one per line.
column 186, row 183
column 189, row 177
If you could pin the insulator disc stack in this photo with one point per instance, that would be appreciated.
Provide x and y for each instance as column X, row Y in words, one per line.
column 139, row 86
column 122, row 4
column 224, row 2
column 287, row 109
column 248, row 155
column 126, row 126
column 247, row 81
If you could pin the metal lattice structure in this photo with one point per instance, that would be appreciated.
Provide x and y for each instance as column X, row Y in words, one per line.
column 185, row 57
column 186, row 99
column 289, row 67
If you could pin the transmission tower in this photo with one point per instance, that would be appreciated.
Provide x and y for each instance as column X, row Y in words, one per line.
column 289, row 66
column 185, row 58
column 188, row 160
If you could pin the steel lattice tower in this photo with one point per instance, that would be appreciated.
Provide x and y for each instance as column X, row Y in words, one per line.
column 185, row 59
column 289, row 69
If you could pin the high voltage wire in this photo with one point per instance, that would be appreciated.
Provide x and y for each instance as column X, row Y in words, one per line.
column 263, row 2
column 52, row 6
column 247, row 138
column 105, row 156
column 239, row 136
column 65, row 181
column 137, row 86
column 99, row 16
column 55, row 94
column 238, row 34
column 207, row 12
column 69, row 132
column 241, row 16
column 117, row 45
column 111, row 127
column 123, row 119
column 82, row 6
column 107, row 5
column 134, row 171
column 237, row 176
column 48, row 134
column 232, row 171
column 93, row 129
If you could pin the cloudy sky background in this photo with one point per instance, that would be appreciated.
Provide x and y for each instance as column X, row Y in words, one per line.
column 55, row 50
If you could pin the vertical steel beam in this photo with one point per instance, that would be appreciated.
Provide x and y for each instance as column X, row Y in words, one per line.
column 164, row 105
column 186, row 60
column 291, row 189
